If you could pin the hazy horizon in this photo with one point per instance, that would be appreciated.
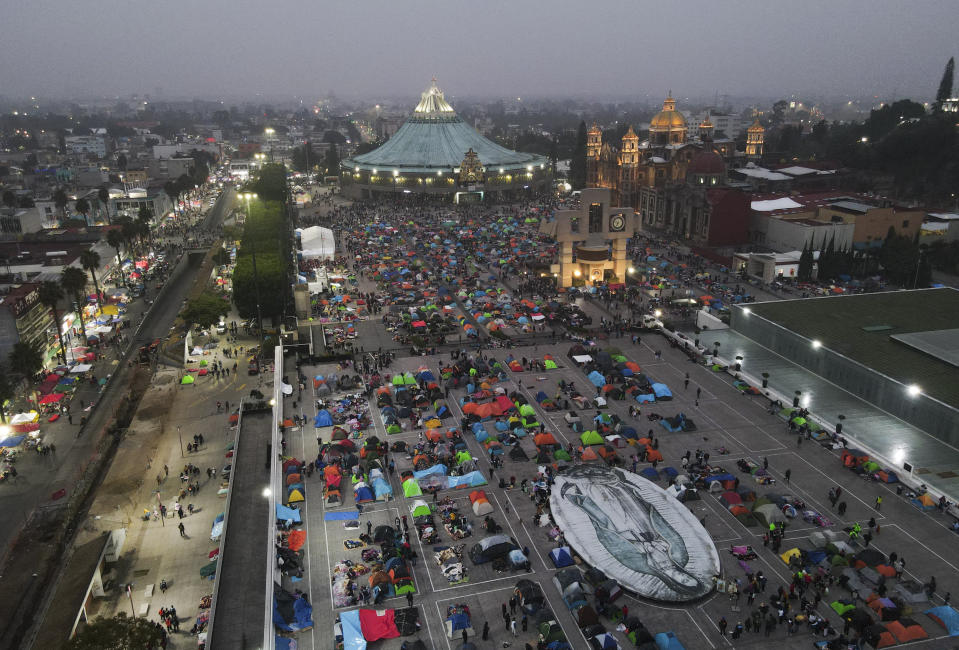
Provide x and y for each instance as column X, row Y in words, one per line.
column 619, row 48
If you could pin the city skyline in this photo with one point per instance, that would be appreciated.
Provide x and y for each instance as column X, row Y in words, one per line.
column 389, row 50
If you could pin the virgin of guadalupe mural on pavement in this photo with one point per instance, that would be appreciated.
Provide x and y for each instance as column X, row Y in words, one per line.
column 636, row 533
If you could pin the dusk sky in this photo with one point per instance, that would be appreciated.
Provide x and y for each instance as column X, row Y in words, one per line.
column 376, row 48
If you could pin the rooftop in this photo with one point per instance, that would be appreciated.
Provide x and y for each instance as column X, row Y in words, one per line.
column 840, row 323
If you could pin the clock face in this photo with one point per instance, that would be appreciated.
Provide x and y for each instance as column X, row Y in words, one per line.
column 617, row 223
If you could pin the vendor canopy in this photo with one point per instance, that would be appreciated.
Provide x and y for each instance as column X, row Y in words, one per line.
column 317, row 242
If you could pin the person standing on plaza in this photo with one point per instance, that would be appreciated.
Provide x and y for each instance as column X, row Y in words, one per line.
column 182, row 530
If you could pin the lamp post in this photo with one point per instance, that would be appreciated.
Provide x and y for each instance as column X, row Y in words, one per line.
column 269, row 136
column 922, row 249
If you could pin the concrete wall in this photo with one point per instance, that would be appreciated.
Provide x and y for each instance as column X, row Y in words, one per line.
column 933, row 417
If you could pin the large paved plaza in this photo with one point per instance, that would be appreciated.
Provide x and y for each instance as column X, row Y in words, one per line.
column 731, row 427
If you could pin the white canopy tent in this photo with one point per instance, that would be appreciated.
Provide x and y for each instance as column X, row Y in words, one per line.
column 317, row 242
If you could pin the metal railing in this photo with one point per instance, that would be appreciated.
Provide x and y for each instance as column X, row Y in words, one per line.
column 276, row 480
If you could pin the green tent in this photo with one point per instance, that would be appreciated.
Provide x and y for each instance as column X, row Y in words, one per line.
column 409, row 379
column 841, row 607
column 618, row 358
column 187, row 379
column 411, row 488
column 550, row 364
column 871, row 466
column 203, row 363
column 526, row 409
column 591, row 438
column 529, row 423
column 561, row 454
column 397, row 380
column 404, row 588
column 463, row 457
column 420, row 508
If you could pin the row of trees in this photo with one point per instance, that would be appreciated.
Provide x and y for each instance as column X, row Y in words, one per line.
column 305, row 159
column 265, row 244
column 901, row 258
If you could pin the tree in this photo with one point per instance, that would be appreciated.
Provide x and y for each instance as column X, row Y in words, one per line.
column 270, row 183
column 103, row 194
column 332, row 161
column 144, row 219
column 945, row 84
column 806, row 260
column 205, row 309
column 119, row 633
column 83, row 207
column 304, row 158
column 577, row 166
column 7, row 392
column 60, row 199
column 122, row 162
column 115, row 240
column 74, row 283
column 9, row 199
column 173, row 191
column 25, row 359
column 90, row 261
column 50, row 295
column 221, row 257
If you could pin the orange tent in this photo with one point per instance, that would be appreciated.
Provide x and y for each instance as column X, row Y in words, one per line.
column 471, row 408
column 544, row 439
column 293, row 478
column 653, row 454
column 297, row 539
column 588, row 454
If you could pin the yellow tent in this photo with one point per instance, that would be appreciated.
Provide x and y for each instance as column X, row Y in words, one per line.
column 790, row 554
column 433, row 423
column 295, row 496
column 109, row 310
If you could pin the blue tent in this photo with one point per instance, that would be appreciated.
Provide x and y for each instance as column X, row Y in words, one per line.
column 323, row 419
column 435, row 469
column 352, row 631
column 945, row 616
column 629, row 432
column 481, row 435
column 478, row 427
column 670, row 472
column 363, row 494
column 458, row 621
column 719, row 477
column 668, row 641
column 283, row 514
column 650, row 473
column 470, row 479
column 561, row 557
column 426, row 375
column 662, row 391
column 605, row 641
column 626, row 372
column 642, row 399
column 596, row 379
column 12, row 441
column 501, row 426
column 541, row 397
column 381, row 488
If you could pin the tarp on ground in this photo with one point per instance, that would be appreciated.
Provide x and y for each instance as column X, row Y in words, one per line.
column 323, row 419
column 286, row 514
column 291, row 613
column 470, row 479
column 352, row 631
column 602, row 510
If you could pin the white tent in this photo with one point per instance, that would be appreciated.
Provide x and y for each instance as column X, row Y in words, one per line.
column 317, row 242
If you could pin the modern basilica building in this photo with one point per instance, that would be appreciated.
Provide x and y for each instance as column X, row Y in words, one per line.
column 436, row 153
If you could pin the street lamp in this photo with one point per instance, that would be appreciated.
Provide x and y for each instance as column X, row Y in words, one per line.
column 269, row 136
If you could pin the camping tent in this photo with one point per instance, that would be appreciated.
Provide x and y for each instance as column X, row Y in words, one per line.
column 945, row 616
column 662, row 392
column 668, row 641
column 591, row 438
column 561, row 557
column 420, row 508
column 411, row 488
column 481, row 505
